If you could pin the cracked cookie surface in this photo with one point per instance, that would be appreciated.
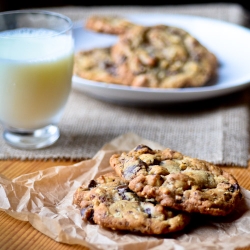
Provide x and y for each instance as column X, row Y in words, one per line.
column 157, row 56
column 162, row 56
column 178, row 181
column 109, row 202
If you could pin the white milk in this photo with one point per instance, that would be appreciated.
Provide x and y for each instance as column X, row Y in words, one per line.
column 35, row 78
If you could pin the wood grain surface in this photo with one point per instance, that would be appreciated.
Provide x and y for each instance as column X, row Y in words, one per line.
column 19, row 235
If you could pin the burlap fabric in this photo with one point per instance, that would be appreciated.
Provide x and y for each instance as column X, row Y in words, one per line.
column 214, row 129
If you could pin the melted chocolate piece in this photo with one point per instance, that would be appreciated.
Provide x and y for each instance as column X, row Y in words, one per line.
column 122, row 189
column 132, row 170
column 141, row 146
column 87, row 213
column 92, row 184
column 234, row 188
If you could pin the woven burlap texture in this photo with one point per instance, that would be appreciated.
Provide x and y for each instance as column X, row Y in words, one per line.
column 215, row 130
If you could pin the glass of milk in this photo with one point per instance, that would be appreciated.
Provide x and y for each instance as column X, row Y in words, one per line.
column 36, row 61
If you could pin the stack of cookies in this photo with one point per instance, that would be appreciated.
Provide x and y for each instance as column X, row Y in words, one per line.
column 156, row 192
column 158, row 56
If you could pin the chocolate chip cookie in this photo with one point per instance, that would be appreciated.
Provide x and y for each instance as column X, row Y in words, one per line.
column 108, row 202
column 157, row 56
column 108, row 24
column 178, row 181
column 162, row 56
column 97, row 65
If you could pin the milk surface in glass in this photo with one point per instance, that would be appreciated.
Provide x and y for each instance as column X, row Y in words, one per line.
column 35, row 76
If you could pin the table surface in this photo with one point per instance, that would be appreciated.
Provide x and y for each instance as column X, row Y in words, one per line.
column 20, row 235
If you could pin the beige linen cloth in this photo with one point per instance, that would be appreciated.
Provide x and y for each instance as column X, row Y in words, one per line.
column 214, row 129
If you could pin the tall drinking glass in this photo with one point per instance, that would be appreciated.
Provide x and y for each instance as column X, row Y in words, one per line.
column 36, row 61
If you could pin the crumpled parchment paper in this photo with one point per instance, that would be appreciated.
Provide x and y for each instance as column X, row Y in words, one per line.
column 44, row 198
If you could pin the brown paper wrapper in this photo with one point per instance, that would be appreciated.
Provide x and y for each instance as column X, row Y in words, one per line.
column 44, row 198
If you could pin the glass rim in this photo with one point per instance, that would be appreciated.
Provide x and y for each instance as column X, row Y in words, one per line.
column 45, row 12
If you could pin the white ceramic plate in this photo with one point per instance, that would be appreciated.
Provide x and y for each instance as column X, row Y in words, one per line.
column 229, row 42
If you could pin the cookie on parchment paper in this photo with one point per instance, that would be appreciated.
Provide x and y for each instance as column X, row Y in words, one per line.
column 108, row 202
column 178, row 181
